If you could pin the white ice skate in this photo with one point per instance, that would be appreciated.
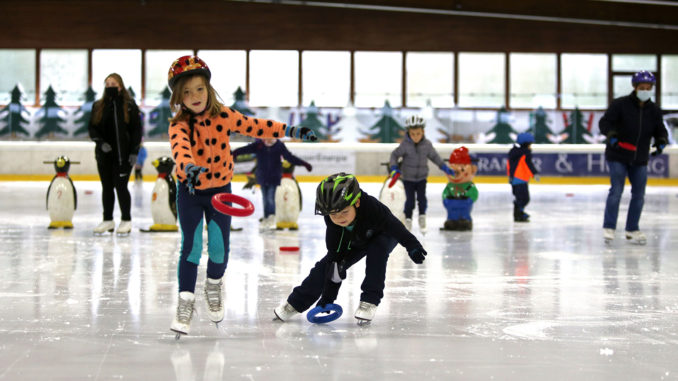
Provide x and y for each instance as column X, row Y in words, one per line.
column 182, row 321
column 408, row 223
column 105, row 226
column 637, row 237
column 213, row 298
column 124, row 228
column 267, row 223
column 365, row 313
column 608, row 235
column 284, row 312
column 422, row 223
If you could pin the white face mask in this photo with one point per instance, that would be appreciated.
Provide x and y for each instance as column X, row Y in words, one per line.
column 644, row 95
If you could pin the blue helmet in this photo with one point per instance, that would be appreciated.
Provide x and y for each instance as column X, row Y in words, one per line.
column 525, row 137
column 643, row 76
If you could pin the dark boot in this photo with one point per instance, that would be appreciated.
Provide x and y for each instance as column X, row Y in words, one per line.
column 451, row 225
column 522, row 218
column 465, row 225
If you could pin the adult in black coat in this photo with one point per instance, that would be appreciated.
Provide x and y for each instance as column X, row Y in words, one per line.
column 630, row 124
column 115, row 127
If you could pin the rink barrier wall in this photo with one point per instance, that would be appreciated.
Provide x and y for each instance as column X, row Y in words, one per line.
column 575, row 164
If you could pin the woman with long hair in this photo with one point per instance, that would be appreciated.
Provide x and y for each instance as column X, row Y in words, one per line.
column 115, row 127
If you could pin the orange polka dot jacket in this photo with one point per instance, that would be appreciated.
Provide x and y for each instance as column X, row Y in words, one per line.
column 204, row 141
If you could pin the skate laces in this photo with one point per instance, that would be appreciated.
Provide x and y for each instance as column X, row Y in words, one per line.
column 213, row 295
column 184, row 311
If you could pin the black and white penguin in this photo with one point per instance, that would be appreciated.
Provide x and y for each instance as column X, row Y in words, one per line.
column 287, row 199
column 164, row 198
column 62, row 199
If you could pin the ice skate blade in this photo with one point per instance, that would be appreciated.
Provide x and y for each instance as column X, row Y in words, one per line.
column 178, row 334
column 363, row 322
column 103, row 233
column 122, row 234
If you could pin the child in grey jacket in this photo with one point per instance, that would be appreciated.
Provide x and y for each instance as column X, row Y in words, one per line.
column 414, row 150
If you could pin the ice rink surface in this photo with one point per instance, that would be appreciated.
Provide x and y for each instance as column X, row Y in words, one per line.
column 545, row 300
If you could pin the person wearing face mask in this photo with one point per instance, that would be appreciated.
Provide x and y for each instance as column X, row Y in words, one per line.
column 269, row 171
column 630, row 124
column 115, row 127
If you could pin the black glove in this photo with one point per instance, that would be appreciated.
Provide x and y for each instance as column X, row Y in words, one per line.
column 192, row 174
column 308, row 166
column 659, row 145
column 303, row 133
column 106, row 148
column 418, row 254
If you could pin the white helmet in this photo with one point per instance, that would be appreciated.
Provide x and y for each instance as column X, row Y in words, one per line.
column 415, row 121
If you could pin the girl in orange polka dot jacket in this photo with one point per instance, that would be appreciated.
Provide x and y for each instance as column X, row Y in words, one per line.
column 199, row 137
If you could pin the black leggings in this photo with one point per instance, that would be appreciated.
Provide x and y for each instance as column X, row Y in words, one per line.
column 113, row 177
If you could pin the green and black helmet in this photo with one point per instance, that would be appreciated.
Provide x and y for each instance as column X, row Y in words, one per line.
column 335, row 193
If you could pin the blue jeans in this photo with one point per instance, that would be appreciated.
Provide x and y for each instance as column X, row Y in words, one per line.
column 412, row 188
column 268, row 195
column 637, row 175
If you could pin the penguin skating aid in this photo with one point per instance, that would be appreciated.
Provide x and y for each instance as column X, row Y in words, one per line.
column 62, row 198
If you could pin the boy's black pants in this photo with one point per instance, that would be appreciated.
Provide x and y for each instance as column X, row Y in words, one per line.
column 521, row 194
column 376, row 254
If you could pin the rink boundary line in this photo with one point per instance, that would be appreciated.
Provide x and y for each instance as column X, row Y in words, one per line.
column 379, row 179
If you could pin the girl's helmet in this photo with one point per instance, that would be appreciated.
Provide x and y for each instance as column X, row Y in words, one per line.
column 415, row 121
column 335, row 193
column 643, row 76
column 187, row 65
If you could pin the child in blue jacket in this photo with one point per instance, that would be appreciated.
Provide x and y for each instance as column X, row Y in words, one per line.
column 269, row 171
column 520, row 170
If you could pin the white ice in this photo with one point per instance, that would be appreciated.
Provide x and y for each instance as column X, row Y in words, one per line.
column 542, row 300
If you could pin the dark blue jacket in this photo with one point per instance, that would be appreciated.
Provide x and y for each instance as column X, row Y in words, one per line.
column 372, row 219
column 269, row 164
column 634, row 125
column 514, row 156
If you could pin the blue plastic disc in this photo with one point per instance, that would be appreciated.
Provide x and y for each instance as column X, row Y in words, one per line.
column 319, row 315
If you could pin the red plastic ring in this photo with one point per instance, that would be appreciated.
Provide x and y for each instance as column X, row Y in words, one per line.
column 219, row 201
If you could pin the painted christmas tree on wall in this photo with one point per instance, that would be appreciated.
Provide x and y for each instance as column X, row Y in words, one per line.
column 387, row 129
column 142, row 115
column 13, row 118
column 312, row 121
column 577, row 132
column 240, row 103
column 539, row 126
column 347, row 129
column 49, row 116
column 82, row 123
column 502, row 130
column 160, row 116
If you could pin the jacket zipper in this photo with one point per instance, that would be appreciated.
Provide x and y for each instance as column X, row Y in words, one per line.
column 640, row 130
column 117, row 133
